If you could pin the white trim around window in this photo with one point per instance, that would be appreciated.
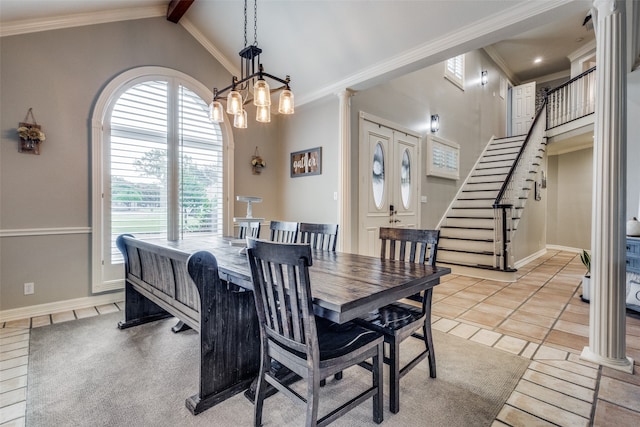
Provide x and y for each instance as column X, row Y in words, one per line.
column 102, row 282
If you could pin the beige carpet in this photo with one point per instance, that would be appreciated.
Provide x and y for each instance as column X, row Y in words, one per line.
column 89, row 373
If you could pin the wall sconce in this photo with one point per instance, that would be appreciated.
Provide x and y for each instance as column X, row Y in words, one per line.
column 435, row 123
column 484, row 77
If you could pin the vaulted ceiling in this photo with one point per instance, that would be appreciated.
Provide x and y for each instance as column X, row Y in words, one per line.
column 328, row 45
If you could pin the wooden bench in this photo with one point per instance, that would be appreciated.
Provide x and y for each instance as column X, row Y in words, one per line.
column 162, row 282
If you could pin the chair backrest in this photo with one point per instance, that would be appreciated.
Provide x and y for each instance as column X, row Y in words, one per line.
column 282, row 291
column 249, row 229
column 319, row 236
column 283, row 231
column 423, row 244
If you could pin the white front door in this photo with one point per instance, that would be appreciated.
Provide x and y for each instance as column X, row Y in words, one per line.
column 523, row 104
column 389, row 183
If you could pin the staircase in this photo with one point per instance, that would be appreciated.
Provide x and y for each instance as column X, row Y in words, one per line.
column 477, row 230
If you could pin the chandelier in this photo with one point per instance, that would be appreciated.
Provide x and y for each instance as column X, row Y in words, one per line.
column 239, row 93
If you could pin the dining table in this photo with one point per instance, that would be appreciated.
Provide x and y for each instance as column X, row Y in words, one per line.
column 344, row 286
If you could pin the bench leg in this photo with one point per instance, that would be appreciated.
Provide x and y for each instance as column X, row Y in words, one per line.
column 138, row 309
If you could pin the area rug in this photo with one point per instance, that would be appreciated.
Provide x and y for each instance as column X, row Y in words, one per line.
column 89, row 373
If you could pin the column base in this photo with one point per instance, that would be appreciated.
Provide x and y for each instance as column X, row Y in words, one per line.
column 624, row 365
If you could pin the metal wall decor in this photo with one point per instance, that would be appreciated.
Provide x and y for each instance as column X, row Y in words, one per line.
column 31, row 135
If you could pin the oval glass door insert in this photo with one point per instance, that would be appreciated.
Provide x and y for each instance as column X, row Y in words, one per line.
column 405, row 179
column 377, row 179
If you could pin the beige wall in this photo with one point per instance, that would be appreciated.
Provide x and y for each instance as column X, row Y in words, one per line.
column 60, row 75
column 633, row 145
column 570, row 183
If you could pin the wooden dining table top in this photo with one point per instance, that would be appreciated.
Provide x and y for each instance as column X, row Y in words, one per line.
column 344, row 285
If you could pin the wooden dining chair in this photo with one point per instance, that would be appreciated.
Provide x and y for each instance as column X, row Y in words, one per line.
column 283, row 231
column 249, row 229
column 320, row 236
column 312, row 347
column 398, row 321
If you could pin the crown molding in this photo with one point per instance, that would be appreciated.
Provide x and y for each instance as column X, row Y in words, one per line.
column 78, row 20
column 500, row 62
column 589, row 47
column 454, row 43
column 206, row 43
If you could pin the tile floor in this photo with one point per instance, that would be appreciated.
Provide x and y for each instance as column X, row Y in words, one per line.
column 540, row 317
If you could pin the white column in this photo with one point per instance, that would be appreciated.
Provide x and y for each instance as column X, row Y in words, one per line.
column 344, row 172
column 607, row 328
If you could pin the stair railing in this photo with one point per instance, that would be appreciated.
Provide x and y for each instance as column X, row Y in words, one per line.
column 515, row 189
column 572, row 100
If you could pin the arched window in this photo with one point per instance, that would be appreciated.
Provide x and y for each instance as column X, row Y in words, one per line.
column 162, row 166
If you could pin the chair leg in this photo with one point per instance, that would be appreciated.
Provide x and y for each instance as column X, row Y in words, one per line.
column 378, row 398
column 313, row 390
column 428, row 335
column 394, row 376
column 261, row 391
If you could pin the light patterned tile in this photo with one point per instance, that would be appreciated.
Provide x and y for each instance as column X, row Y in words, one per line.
column 13, row 383
column 560, row 385
column 515, row 417
column 511, row 344
column 13, row 397
column 605, row 412
column 8, row 374
column 6, row 355
column 21, row 323
column 510, row 326
column 107, row 308
column 572, row 328
column 12, row 412
column 576, row 368
column 18, row 422
column 530, row 350
column 14, row 346
column 464, row 330
column 445, row 325
column 14, row 362
column 36, row 322
column 563, row 374
column 555, row 398
column 14, row 339
column 546, row 411
column 64, row 316
column 82, row 313
column 486, row 337
column 545, row 352
column 620, row 393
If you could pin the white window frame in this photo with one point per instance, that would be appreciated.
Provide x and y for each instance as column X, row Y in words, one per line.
column 103, row 280
column 452, row 76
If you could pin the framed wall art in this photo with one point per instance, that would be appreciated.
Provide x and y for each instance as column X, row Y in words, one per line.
column 306, row 162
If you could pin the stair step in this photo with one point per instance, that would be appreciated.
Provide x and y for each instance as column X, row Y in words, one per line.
column 472, row 212
column 474, row 179
column 482, row 186
column 483, row 267
column 478, row 194
column 493, row 171
column 505, row 145
column 460, row 244
column 494, row 165
column 469, row 222
column 465, row 258
column 462, row 233
column 499, row 157
column 510, row 139
column 473, row 203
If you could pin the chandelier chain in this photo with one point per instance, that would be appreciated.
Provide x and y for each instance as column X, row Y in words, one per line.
column 255, row 22
column 245, row 23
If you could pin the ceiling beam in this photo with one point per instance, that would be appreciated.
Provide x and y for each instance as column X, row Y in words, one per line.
column 176, row 9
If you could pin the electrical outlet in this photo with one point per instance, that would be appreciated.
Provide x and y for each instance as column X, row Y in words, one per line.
column 29, row 288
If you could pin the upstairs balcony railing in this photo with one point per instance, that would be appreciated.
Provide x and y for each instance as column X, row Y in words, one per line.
column 572, row 100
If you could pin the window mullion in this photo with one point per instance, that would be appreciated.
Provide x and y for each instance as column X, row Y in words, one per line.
column 173, row 163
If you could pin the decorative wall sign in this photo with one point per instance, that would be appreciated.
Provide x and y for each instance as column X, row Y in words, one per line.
column 443, row 158
column 306, row 162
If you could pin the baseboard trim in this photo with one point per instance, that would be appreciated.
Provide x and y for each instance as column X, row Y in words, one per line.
column 530, row 258
column 58, row 306
column 564, row 248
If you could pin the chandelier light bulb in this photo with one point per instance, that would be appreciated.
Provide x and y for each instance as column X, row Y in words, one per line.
column 216, row 112
column 261, row 93
column 263, row 114
column 234, row 102
column 285, row 106
column 240, row 119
